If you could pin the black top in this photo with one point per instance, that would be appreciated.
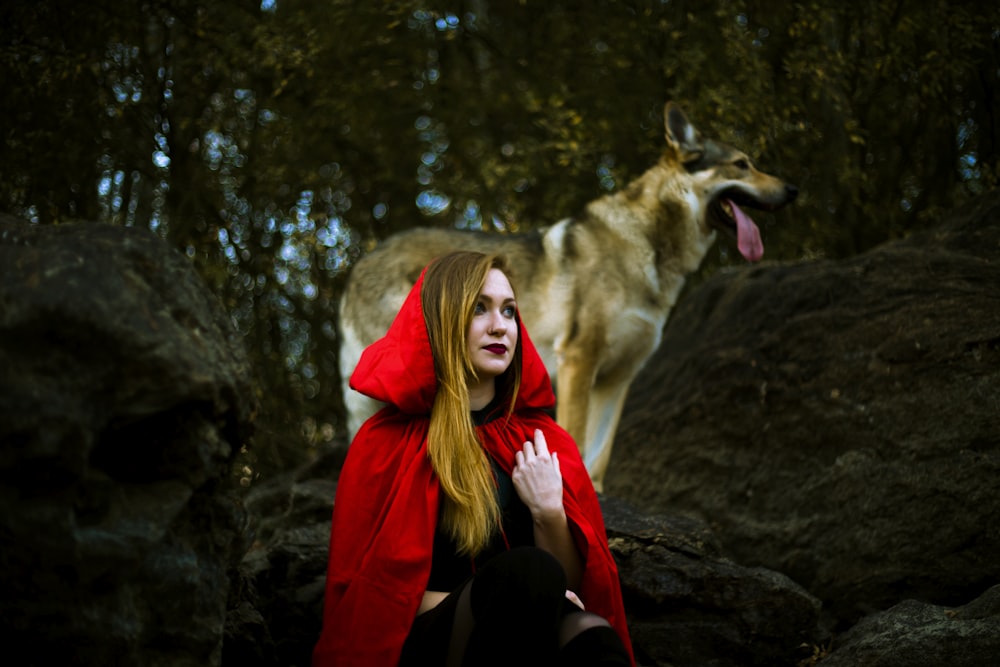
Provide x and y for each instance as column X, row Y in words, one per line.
column 449, row 569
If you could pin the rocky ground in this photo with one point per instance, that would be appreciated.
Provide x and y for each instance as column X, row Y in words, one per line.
column 806, row 471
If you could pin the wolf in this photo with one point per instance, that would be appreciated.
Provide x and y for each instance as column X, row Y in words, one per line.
column 594, row 290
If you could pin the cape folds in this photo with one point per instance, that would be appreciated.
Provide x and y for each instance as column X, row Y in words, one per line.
column 386, row 507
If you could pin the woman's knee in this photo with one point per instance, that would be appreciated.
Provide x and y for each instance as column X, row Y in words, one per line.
column 588, row 639
column 521, row 581
column 579, row 622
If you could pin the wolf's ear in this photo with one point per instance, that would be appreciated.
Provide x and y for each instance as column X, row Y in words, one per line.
column 681, row 134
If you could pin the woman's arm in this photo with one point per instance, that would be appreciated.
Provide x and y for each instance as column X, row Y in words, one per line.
column 539, row 484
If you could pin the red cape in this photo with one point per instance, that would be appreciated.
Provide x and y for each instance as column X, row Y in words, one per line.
column 386, row 507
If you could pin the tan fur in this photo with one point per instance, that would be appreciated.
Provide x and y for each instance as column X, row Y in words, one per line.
column 595, row 291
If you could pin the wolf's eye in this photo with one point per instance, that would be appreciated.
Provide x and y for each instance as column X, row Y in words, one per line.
column 742, row 164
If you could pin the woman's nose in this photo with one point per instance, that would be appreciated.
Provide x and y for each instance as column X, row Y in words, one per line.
column 498, row 325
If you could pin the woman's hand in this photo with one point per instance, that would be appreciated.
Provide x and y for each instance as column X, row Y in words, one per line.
column 538, row 480
column 430, row 600
column 575, row 599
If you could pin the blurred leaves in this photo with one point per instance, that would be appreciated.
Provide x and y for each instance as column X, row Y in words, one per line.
column 274, row 143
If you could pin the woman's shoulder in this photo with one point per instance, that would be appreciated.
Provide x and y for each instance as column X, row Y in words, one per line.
column 388, row 431
column 385, row 450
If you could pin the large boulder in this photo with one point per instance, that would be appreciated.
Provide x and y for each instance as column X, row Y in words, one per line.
column 836, row 421
column 124, row 398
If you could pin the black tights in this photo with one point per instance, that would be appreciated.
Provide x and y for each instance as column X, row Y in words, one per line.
column 514, row 611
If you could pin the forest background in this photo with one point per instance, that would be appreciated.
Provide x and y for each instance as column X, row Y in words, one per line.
column 273, row 142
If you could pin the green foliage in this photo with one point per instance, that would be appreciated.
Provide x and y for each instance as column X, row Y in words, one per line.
column 273, row 143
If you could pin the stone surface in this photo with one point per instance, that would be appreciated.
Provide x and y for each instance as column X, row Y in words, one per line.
column 284, row 573
column 919, row 634
column 688, row 604
column 124, row 397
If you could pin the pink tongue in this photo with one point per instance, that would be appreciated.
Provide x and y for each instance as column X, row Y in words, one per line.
column 747, row 235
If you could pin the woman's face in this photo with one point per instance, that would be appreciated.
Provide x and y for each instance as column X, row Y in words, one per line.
column 493, row 331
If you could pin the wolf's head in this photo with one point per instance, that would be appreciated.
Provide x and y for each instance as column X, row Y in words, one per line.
column 721, row 182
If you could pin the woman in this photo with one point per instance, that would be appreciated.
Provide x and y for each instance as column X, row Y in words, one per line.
column 466, row 530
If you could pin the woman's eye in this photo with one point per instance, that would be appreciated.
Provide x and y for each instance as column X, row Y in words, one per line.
column 480, row 309
column 509, row 311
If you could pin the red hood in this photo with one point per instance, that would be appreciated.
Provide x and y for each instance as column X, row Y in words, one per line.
column 398, row 368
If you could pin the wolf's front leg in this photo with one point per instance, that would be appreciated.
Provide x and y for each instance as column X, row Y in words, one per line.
column 574, row 381
column 605, row 410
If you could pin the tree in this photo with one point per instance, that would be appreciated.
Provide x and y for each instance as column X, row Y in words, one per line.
column 275, row 142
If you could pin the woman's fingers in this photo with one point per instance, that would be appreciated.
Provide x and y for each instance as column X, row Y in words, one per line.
column 541, row 447
column 536, row 460
column 537, row 478
column 538, row 448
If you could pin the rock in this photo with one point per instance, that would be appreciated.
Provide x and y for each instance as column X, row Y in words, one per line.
column 284, row 574
column 688, row 604
column 836, row 421
column 919, row 634
column 124, row 399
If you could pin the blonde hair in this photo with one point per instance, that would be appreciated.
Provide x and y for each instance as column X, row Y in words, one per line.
column 452, row 285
